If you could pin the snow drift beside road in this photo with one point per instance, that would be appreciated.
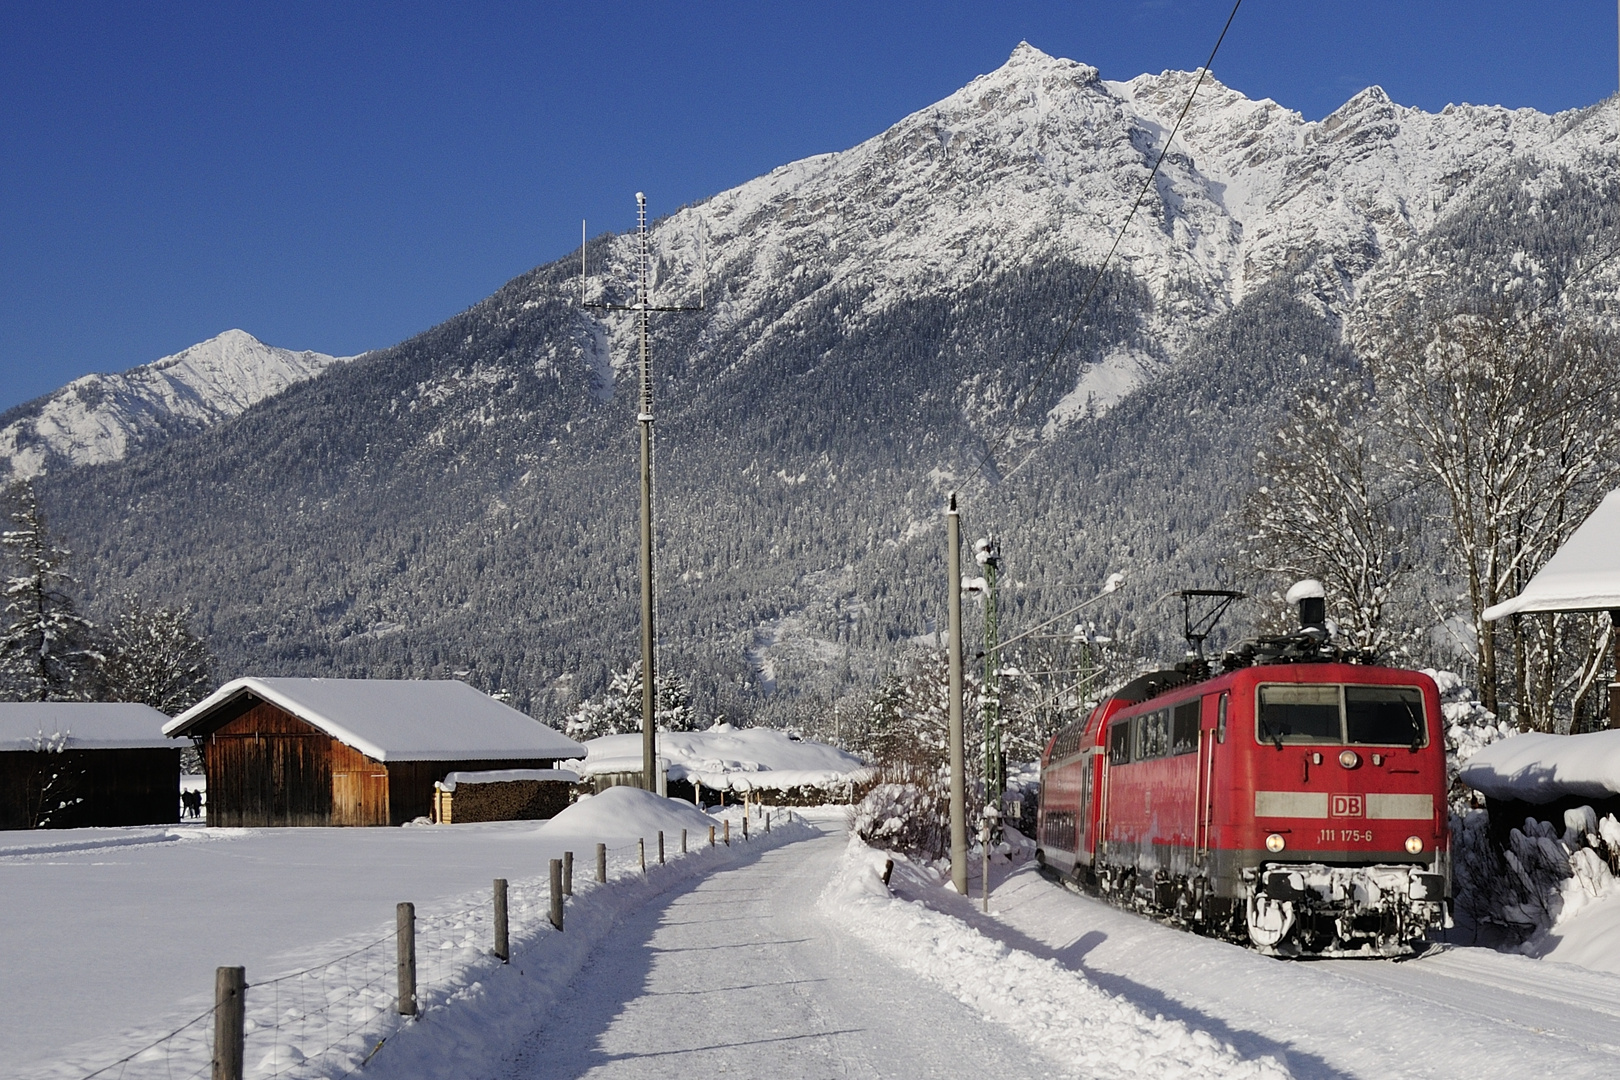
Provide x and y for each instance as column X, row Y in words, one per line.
column 627, row 812
column 1087, row 1030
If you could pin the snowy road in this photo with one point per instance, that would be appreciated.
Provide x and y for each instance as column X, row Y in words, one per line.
column 741, row 972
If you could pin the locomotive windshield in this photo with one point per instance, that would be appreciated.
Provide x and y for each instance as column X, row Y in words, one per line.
column 1373, row 715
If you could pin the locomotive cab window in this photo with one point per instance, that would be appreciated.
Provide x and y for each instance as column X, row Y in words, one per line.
column 1373, row 715
column 1384, row 715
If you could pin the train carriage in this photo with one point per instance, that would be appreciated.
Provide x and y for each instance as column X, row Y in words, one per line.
column 1295, row 801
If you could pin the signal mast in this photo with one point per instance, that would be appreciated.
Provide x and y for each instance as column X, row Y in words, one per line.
column 644, row 307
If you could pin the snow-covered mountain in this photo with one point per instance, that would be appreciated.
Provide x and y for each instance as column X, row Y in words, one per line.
column 1043, row 158
column 101, row 418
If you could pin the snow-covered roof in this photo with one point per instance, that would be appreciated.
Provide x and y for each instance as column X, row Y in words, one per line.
column 1536, row 768
column 77, row 725
column 505, row 776
column 1583, row 575
column 728, row 758
column 396, row 719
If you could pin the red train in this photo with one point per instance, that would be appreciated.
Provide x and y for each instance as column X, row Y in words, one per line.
column 1296, row 801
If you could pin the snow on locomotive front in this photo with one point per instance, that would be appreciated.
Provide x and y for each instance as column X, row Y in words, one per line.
column 1295, row 801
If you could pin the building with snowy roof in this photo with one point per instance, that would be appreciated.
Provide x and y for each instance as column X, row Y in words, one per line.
column 1582, row 575
column 352, row 751
column 71, row 764
column 707, row 766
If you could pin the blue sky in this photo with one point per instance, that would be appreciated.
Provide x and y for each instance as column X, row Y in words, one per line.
column 340, row 176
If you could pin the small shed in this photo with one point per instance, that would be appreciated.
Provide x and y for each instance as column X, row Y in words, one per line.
column 1582, row 575
column 352, row 751
column 70, row 764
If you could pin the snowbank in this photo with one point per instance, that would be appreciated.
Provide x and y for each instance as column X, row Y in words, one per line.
column 626, row 812
column 725, row 758
column 1062, row 1013
column 1537, row 768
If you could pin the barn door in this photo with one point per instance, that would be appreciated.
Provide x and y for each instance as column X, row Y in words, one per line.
column 360, row 797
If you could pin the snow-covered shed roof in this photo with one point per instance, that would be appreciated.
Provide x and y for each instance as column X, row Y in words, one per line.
column 1583, row 575
column 1537, row 768
column 392, row 719
column 81, row 725
column 727, row 758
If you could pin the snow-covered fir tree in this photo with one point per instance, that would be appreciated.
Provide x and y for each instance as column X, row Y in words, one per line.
column 153, row 657
column 617, row 710
column 47, row 648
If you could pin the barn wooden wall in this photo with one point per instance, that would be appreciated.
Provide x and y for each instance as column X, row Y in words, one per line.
column 103, row 788
column 267, row 767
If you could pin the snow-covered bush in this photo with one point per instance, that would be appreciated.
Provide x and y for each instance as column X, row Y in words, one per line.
column 1470, row 727
column 1520, row 892
column 908, row 818
column 905, row 804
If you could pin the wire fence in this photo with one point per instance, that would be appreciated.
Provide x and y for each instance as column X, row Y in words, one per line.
column 331, row 1018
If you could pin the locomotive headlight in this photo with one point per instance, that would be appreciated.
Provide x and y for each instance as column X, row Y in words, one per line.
column 1349, row 759
column 1414, row 845
column 1275, row 843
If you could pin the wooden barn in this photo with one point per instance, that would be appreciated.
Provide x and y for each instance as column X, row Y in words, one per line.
column 352, row 751
column 69, row 764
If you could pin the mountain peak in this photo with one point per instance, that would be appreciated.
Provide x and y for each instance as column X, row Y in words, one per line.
column 99, row 418
column 1026, row 59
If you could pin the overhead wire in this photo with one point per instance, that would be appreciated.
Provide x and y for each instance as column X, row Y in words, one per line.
column 992, row 446
column 1119, row 236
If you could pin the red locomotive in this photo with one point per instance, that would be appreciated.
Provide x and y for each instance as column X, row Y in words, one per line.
column 1295, row 801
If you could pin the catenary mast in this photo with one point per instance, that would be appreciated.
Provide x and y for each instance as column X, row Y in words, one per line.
column 643, row 307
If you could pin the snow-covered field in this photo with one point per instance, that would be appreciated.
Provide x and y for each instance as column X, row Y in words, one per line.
column 119, row 932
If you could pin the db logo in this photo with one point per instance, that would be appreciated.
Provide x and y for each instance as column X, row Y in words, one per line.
column 1347, row 806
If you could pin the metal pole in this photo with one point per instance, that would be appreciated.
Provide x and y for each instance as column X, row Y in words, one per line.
column 994, row 779
column 953, row 588
column 644, row 419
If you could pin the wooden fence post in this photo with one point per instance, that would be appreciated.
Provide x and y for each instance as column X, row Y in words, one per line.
column 556, row 894
column 745, row 824
column 727, row 824
column 711, row 836
column 501, row 950
column 767, row 822
column 601, row 864
column 641, row 853
column 660, row 847
column 230, row 1028
column 568, row 873
column 405, row 949
column 683, row 841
